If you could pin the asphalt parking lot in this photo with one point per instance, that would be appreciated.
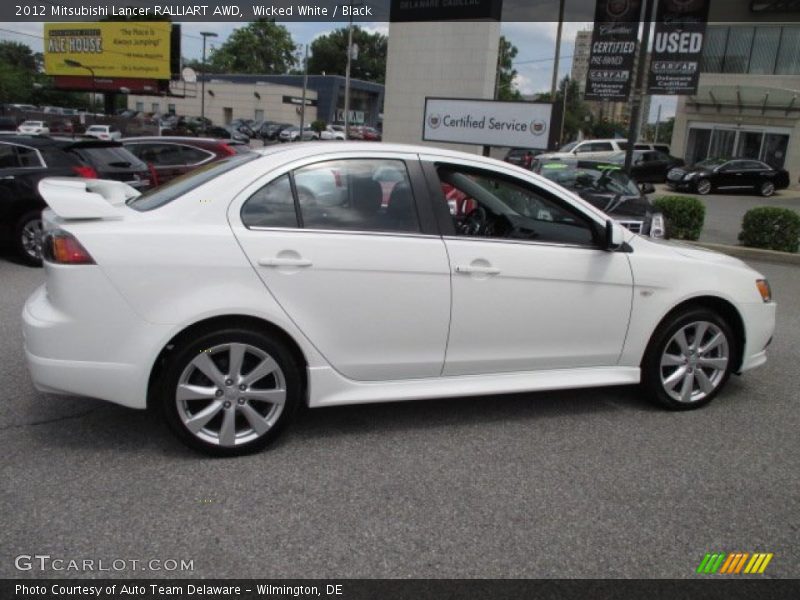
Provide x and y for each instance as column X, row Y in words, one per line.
column 592, row 483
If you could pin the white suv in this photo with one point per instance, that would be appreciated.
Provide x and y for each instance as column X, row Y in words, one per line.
column 589, row 149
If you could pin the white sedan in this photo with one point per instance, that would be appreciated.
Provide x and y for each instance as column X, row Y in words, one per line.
column 104, row 132
column 229, row 297
column 34, row 128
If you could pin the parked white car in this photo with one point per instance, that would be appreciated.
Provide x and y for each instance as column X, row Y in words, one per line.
column 226, row 298
column 33, row 128
column 104, row 132
column 292, row 134
column 332, row 132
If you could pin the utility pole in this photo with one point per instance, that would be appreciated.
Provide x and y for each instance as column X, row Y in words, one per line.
column 638, row 82
column 557, row 60
column 347, row 76
column 305, row 87
column 658, row 124
column 205, row 34
column 564, row 110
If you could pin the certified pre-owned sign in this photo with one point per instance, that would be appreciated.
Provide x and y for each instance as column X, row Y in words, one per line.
column 487, row 122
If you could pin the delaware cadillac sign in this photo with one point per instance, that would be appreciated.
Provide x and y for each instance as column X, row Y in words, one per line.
column 487, row 122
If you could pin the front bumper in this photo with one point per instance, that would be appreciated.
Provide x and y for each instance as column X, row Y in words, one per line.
column 759, row 322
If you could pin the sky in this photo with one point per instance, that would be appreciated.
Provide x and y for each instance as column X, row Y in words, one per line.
column 534, row 63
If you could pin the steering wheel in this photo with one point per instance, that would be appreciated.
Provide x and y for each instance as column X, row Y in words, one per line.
column 475, row 222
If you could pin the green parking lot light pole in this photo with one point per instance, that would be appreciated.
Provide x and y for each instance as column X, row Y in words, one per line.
column 77, row 65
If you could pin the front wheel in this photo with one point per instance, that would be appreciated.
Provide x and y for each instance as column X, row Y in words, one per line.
column 766, row 189
column 230, row 392
column 689, row 360
column 703, row 187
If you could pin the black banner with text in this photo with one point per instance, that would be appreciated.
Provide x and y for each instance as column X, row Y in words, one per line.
column 613, row 52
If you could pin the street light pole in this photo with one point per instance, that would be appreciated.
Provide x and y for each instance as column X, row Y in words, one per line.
column 205, row 34
column 77, row 65
column 305, row 87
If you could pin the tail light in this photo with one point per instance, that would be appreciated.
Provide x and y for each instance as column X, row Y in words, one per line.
column 227, row 149
column 85, row 171
column 63, row 248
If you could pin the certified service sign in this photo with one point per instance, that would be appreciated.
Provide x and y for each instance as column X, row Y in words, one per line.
column 487, row 122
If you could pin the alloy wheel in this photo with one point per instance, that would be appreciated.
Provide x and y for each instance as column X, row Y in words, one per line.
column 32, row 233
column 703, row 187
column 767, row 188
column 694, row 362
column 230, row 394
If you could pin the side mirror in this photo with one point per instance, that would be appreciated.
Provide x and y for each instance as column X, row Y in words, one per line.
column 614, row 239
column 647, row 188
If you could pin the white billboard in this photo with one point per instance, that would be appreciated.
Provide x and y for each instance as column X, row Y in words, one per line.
column 487, row 122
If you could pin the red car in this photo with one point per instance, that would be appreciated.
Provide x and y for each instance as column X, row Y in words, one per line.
column 170, row 157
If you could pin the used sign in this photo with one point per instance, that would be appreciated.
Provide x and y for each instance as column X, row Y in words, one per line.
column 677, row 46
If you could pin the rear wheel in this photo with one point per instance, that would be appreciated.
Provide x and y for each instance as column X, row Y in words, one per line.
column 703, row 187
column 689, row 360
column 230, row 392
column 28, row 238
column 766, row 189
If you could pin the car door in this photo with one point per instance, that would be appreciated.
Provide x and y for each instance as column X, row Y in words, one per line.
column 532, row 289
column 355, row 265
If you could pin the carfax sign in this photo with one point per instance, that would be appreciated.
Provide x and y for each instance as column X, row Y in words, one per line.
column 487, row 122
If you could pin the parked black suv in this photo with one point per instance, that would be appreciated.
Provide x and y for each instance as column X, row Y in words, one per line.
column 110, row 160
column 24, row 161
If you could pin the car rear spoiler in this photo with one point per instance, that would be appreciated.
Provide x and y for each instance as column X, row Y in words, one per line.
column 77, row 198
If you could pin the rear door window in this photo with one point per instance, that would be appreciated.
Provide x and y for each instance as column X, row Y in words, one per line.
column 8, row 157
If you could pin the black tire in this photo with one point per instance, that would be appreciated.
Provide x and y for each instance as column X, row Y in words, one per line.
column 766, row 189
column 21, row 238
column 652, row 384
column 180, row 360
column 703, row 186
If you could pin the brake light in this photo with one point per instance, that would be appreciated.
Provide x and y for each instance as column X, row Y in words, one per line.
column 227, row 149
column 85, row 171
column 63, row 248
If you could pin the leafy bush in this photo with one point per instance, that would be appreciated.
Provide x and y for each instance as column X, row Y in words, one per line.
column 319, row 125
column 684, row 216
column 772, row 228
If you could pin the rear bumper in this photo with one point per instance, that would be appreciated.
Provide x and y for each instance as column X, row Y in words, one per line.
column 97, row 348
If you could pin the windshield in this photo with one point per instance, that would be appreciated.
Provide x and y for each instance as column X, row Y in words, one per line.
column 568, row 147
column 179, row 186
column 605, row 180
column 711, row 163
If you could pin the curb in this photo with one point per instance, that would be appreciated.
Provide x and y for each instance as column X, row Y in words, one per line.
column 745, row 253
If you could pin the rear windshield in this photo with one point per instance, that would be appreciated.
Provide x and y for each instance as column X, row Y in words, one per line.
column 179, row 186
column 114, row 157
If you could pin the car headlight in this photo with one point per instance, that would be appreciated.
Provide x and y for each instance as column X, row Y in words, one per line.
column 764, row 290
column 657, row 226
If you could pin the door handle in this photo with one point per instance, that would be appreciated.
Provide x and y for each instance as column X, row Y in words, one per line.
column 480, row 270
column 284, row 262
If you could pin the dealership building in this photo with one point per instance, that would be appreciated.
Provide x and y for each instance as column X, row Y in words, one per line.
column 269, row 97
column 748, row 99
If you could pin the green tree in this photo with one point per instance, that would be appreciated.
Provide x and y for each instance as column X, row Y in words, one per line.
column 262, row 46
column 578, row 117
column 329, row 55
column 17, row 72
column 506, row 73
